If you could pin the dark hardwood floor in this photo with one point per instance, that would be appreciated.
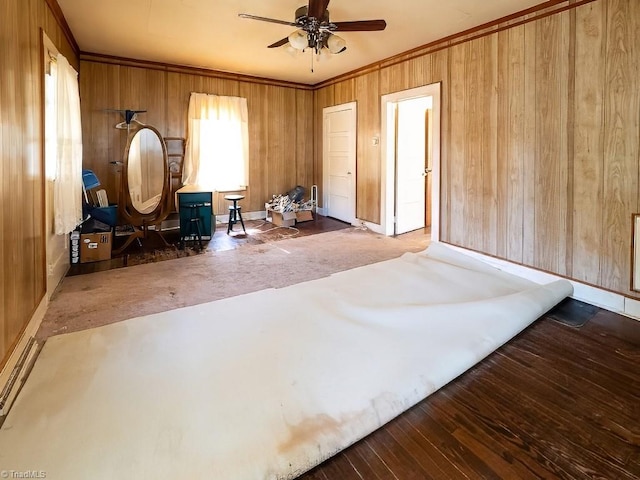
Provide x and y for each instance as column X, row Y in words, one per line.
column 555, row 402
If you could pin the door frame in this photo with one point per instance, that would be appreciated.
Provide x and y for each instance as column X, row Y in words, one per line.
column 353, row 121
column 388, row 167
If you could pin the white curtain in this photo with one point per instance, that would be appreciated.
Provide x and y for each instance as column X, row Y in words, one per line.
column 67, row 190
column 217, row 150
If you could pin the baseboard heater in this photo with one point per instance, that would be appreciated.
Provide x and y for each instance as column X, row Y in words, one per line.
column 18, row 376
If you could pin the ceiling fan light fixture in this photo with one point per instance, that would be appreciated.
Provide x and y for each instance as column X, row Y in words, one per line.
column 336, row 44
column 323, row 55
column 298, row 40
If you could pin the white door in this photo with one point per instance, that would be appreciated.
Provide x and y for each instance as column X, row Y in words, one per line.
column 339, row 161
column 411, row 163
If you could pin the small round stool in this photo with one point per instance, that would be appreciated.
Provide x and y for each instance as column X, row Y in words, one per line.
column 235, row 212
column 194, row 228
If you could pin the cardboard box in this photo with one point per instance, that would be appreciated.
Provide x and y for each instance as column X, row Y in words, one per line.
column 304, row 215
column 283, row 219
column 95, row 247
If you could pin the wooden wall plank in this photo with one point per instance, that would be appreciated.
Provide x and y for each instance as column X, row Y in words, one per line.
column 322, row 98
column 472, row 122
column 490, row 226
column 344, row 92
column 368, row 166
column 440, row 72
column 419, row 72
column 304, row 140
column 456, row 162
column 588, row 145
column 502, row 144
column 101, row 141
column 515, row 128
column 258, row 107
column 281, row 158
column 551, row 142
column 10, row 142
column 394, row 78
column 621, row 107
column 530, row 146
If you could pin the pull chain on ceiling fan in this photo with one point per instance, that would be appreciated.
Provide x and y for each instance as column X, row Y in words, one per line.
column 315, row 30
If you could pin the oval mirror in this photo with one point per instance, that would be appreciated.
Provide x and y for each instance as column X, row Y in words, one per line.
column 146, row 170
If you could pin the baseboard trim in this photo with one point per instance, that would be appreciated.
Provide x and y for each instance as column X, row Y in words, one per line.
column 614, row 302
column 18, row 366
column 256, row 215
column 374, row 227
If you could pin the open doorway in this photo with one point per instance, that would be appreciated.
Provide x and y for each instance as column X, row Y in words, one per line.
column 411, row 161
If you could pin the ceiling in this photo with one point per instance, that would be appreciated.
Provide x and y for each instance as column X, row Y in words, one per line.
column 209, row 34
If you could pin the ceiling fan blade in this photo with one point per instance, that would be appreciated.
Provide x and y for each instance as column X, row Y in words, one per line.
column 360, row 26
column 317, row 8
column 279, row 43
column 265, row 19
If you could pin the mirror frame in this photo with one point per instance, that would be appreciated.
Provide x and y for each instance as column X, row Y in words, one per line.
column 128, row 213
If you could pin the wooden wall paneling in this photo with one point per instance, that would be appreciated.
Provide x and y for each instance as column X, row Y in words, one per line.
column 368, row 166
column 258, row 106
column 22, row 241
column 33, row 84
column 99, row 92
column 530, row 146
column 182, row 85
column 20, row 187
column 457, row 148
column 177, row 106
column 281, row 166
column 4, row 190
column 621, row 107
column 502, row 145
column 8, row 147
column 57, row 36
column 490, row 169
column 514, row 151
column 344, row 92
column 323, row 97
column 472, row 122
column 394, row 78
column 145, row 89
column 440, row 72
column 570, row 139
column 551, row 142
column 220, row 86
column 588, row 145
column 419, row 71
column 304, row 140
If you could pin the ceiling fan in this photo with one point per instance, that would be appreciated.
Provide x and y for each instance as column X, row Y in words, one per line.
column 315, row 30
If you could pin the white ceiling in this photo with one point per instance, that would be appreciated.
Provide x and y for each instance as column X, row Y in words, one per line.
column 209, row 33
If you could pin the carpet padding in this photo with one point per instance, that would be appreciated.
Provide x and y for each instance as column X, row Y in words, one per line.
column 268, row 384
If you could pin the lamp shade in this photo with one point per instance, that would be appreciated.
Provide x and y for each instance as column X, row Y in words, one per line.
column 298, row 40
column 336, row 44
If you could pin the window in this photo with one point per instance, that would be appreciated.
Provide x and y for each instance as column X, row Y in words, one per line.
column 63, row 142
column 217, row 150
